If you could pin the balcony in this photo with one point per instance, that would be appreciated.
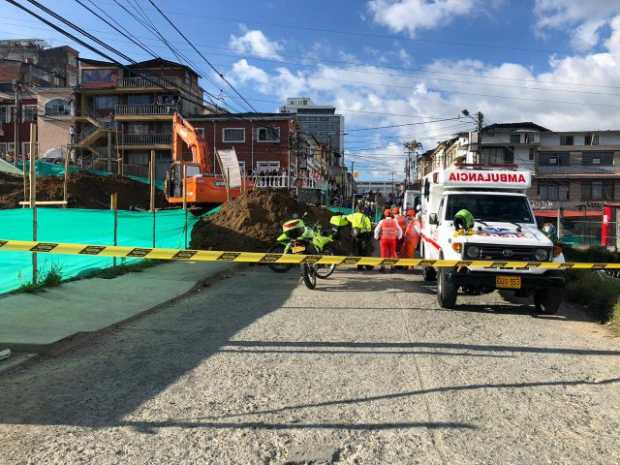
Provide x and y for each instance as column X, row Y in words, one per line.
column 147, row 139
column 542, row 170
column 148, row 109
column 151, row 83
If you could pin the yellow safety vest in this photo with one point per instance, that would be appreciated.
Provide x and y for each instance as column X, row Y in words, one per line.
column 360, row 221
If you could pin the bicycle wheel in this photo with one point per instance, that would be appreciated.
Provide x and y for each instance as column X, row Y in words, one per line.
column 325, row 271
column 278, row 267
column 308, row 273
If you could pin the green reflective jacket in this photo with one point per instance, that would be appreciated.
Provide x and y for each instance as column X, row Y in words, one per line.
column 360, row 221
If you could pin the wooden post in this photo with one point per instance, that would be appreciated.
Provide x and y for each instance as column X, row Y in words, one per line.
column 114, row 208
column 228, row 184
column 152, row 181
column 65, row 184
column 33, row 194
column 152, row 190
column 184, row 172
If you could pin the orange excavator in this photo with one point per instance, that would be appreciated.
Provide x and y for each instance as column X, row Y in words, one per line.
column 204, row 188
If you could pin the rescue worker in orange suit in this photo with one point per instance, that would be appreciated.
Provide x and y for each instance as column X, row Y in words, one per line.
column 388, row 232
column 402, row 222
column 412, row 235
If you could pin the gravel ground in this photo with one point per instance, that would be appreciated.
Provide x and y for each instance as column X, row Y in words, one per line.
column 256, row 369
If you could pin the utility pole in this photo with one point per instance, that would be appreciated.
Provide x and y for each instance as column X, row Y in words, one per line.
column 16, row 123
column 479, row 120
column 479, row 123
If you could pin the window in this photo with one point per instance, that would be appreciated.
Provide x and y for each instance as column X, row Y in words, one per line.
column 591, row 139
column 598, row 158
column 58, row 107
column 105, row 102
column 532, row 154
column 567, row 140
column 201, row 132
column 6, row 148
column 554, row 159
column 242, row 167
column 504, row 208
column 6, row 113
column 138, row 128
column 267, row 167
column 29, row 113
column 515, row 138
column 553, row 191
column 597, row 190
column 139, row 99
column 268, row 134
column 496, row 156
column 233, row 135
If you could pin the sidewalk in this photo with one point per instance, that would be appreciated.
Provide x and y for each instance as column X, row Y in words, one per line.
column 34, row 322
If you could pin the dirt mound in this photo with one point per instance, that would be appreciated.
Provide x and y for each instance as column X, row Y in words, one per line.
column 253, row 221
column 84, row 191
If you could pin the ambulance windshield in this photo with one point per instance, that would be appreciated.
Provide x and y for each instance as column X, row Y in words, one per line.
column 500, row 208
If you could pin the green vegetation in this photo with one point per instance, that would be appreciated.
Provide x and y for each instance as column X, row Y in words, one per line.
column 53, row 278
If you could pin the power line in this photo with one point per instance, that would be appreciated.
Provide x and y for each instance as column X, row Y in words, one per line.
column 103, row 54
column 423, row 71
column 189, row 42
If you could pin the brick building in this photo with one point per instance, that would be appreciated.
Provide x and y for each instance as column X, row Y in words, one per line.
column 263, row 141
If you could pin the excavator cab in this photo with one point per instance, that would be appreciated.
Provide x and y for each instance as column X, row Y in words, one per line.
column 174, row 179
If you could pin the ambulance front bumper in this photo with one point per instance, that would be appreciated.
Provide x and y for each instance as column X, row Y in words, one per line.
column 490, row 280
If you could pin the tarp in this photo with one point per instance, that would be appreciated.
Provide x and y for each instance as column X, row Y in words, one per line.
column 83, row 226
column 6, row 167
column 53, row 169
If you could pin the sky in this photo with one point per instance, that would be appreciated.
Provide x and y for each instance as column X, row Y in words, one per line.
column 403, row 63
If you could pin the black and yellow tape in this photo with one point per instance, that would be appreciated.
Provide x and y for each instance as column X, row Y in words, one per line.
column 266, row 258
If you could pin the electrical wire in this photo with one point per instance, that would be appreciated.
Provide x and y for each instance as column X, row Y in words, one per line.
column 189, row 42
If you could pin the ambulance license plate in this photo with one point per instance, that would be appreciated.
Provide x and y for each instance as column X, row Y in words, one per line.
column 299, row 249
column 508, row 282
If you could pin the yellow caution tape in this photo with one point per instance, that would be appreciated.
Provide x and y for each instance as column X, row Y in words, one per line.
column 266, row 258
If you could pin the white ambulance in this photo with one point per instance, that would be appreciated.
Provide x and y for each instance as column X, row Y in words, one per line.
column 504, row 230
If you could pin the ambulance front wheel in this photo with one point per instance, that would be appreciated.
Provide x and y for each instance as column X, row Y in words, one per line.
column 547, row 301
column 429, row 274
column 446, row 288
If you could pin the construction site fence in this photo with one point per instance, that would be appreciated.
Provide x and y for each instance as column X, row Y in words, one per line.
column 164, row 228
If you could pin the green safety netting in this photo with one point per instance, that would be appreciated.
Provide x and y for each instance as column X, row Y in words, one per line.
column 51, row 169
column 87, row 227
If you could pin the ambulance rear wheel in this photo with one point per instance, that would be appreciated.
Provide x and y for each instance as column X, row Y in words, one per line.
column 446, row 288
column 429, row 274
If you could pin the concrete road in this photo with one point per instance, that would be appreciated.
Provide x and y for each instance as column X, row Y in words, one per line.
column 256, row 369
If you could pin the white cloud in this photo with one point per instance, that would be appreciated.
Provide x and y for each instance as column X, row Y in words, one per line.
column 411, row 15
column 582, row 19
column 254, row 42
column 577, row 93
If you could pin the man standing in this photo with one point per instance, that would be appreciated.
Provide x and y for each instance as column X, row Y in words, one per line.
column 388, row 232
column 361, row 228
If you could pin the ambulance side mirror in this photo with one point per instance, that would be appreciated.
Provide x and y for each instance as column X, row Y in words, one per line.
column 432, row 219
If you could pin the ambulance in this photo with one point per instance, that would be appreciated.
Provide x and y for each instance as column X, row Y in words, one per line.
column 505, row 229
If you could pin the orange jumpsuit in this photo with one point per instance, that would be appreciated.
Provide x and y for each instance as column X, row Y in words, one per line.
column 412, row 238
column 388, row 232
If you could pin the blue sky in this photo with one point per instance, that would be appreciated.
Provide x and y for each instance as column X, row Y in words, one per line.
column 387, row 62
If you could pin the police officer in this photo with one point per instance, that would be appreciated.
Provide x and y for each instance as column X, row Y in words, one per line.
column 361, row 228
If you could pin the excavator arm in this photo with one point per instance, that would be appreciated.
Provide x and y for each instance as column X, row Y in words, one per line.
column 185, row 133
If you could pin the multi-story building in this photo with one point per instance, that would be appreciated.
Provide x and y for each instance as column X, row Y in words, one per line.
column 321, row 121
column 33, row 63
column 124, row 114
column 31, row 75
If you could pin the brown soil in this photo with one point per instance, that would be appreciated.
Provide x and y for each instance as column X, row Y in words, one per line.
column 84, row 191
column 253, row 221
